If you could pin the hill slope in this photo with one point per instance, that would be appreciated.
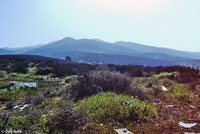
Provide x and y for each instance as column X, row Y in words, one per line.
column 85, row 45
column 98, row 51
column 152, row 49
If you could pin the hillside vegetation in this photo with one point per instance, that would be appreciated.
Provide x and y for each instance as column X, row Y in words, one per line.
column 53, row 96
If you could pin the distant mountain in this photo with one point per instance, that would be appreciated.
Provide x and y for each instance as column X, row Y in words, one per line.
column 84, row 45
column 152, row 49
column 30, row 57
column 3, row 51
column 22, row 49
column 99, row 40
column 96, row 51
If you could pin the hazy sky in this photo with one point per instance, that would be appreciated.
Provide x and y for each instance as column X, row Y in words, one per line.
column 164, row 23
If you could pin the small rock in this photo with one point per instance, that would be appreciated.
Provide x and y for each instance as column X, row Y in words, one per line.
column 164, row 88
column 123, row 131
column 187, row 125
column 170, row 106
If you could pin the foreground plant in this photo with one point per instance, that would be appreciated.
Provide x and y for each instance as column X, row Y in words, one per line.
column 111, row 108
column 66, row 120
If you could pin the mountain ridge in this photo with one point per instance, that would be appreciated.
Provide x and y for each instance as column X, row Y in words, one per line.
column 97, row 51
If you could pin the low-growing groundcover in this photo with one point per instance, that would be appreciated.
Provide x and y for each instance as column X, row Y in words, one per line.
column 112, row 108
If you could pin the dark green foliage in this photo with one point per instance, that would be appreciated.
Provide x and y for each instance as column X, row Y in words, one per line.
column 20, row 67
column 44, row 71
column 10, row 105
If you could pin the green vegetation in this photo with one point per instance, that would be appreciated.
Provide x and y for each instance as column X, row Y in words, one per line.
column 84, row 99
column 19, row 76
column 180, row 91
column 17, row 122
column 4, row 85
column 167, row 75
column 100, row 81
column 70, row 78
column 112, row 108
column 3, row 74
column 16, row 93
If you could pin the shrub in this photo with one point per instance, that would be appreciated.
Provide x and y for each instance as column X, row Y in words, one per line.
column 3, row 74
column 4, row 120
column 19, row 76
column 180, row 91
column 19, row 67
column 44, row 71
column 67, row 120
column 35, row 100
column 167, row 82
column 42, row 124
column 70, row 78
column 111, row 108
column 152, row 81
column 34, row 115
column 17, row 122
column 10, row 104
column 50, row 93
column 100, row 81
column 4, row 85
column 167, row 75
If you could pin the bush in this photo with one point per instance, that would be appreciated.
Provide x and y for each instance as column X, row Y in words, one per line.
column 4, row 120
column 10, row 104
column 111, row 108
column 100, row 81
column 17, row 122
column 19, row 67
column 42, row 124
column 44, row 71
column 34, row 115
column 3, row 74
column 70, row 78
column 180, row 91
column 50, row 93
column 35, row 100
column 167, row 75
column 167, row 82
column 5, row 85
column 67, row 120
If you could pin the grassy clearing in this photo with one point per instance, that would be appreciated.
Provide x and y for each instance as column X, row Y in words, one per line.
column 111, row 108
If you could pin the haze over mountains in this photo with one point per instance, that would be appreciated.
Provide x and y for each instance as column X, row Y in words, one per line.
column 96, row 51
